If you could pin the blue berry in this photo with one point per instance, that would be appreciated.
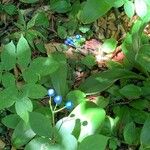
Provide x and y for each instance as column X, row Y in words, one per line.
column 51, row 92
column 66, row 42
column 69, row 105
column 69, row 40
column 78, row 36
column 58, row 99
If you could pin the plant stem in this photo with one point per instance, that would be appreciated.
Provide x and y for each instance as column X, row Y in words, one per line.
column 56, row 111
column 51, row 108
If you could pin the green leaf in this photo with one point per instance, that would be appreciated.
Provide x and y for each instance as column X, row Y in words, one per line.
column 89, row 61
column 94, row 9
column 30, row 76
column 143, row 56
column 29, row 1
column 102, row 80
column 130, row 133
column 34, row 91
column 40, row 124
column 23, row 52
column 8, row 97
column 44, row 66
column 10, row 9
column 76, row 96
column 39, row 19
column 94, row 142
column 61, row 31
column 129, row 9
column 91, row 117
column 8, row 79
column 141, row 8
column 138, row 116
column 40, row 142
column 145, row 134
column 8, row 56
column 140, row 104
column 23, row 106
column 59, row 77
column 11, row 121
column 118, row 3
column 60, row 6
column 109, row 45
column 22, row 134
column 131, row 91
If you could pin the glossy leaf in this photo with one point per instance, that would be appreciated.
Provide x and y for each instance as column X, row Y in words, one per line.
column 143, row 56
column 8, row 97
column 145, row 133
column 109, row 45
column 141, row 8
column 23, row 52
column 94, row 142
column 130, row 133
column 22, row 134
column 8, row 56
column 94, row 9
column 101, row 81
column 11, row 121
column 131, row 91
column 129, row 8
column 8, row 79
column 34, row 91
column 23, row 106
column 76, row 96
column 40, row 124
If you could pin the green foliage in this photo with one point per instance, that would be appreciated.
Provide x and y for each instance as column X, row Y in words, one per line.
column 111, row 106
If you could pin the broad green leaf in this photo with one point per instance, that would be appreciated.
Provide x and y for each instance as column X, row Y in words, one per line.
column 130, row 133
column 102, row 80
column 34, row 91
column 8, row 56
column 40, row 142
column 8, row 79
column 101, row 101
column 140, row 104
column 22, row 134
column 89, row 61
column 131, row 91
column 143, row 56
column 23, row 106
column 60, row 6
column 61, row 31
column 29, row 1
column 129, row 9
column 94, row 9
column 40, row 124
column 109, row 45
column 145, row 134
column 44, row 66
column 76, row 96
column 140, row 8
column 8, row 97
column 91, row 117
column 10, row 9
column 139, row 116
column 30, row 76
column 40, row 19
column 94, row 142
column 118, row 3
column 59, row 77
column 11, row 121
column 23, row 52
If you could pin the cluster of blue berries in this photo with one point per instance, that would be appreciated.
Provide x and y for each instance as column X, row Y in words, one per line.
column 76, row 41
column 58, row 99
